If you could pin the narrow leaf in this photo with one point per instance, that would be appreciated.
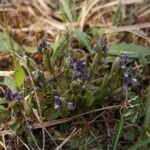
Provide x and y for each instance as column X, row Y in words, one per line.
column 117, row 134
column 82, row 38
column 51, row 114
column 4, row 111
column 117, row 15
column 147, row 112
column 66, row 7
column 135, row 51
column 10, row 83
column 5, row 45
column 19, row 76
column 89, row 98
column 2, row 101
column 139, row 146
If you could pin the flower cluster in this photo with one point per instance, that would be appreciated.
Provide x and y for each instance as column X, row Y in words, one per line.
column 58, row 103
column 79, row 70
column 9, row 95
column 43, row 46
column 128, row 73
column 101, row 45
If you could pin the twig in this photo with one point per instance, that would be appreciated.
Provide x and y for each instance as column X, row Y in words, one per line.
column 6, row 73
column 127, row 28
column 27, row 147
column 113, row 3
column 66, row 140
column 59, row 121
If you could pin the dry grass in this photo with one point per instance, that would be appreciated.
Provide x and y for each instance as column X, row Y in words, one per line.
column 31, row 20
column 35, row 19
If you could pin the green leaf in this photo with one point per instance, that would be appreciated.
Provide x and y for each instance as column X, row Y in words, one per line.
column 51, row 114
column 5, row 45
column 95, row 33
column 103, row 90
column 19, row 76
column 17, row 127
column 105, row 82
column 117, row 16
column 2, row 101
column 10, row 83
column 4, row 111
column 28, row 105
column 82, row 38
column 147, row 112
column 117, row 134
column 66, row 4
column 135, row 109
column 135, row 51
column 141, row 144
column 89, row 98
column 130, row 135
column 58, row 48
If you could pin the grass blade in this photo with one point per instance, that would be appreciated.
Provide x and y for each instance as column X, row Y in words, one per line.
column 66, row 7
column 117, row 134
column 140, row 145
column 147, row 113
column 82, row 38
column 117, row 15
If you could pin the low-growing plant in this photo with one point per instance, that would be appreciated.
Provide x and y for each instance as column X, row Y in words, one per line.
column 74, row 77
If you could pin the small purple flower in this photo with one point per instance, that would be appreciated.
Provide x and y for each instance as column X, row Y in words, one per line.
column 124, row 59
column 79, row 70
column 125, row 87
column 79, row 65
column 43, row 46
column 77, row 74
column 86, row 77
column 9, row 95
column 101, row 45
column 17, row 96
column 134, row 81
column 128, row 79
column 70, row 106
column 58, row 102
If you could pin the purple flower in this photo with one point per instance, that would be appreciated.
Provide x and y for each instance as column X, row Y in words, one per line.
column 86, row 77
column 17, row 96
column 79, row 65
column 101, row 45
column 70, row 106
column 125, row 86
column 9, row 95
column 79, row 70
column 128, row 79
column 58, row 102
column 43, row 46
column 124, row 59
column 77, row 74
